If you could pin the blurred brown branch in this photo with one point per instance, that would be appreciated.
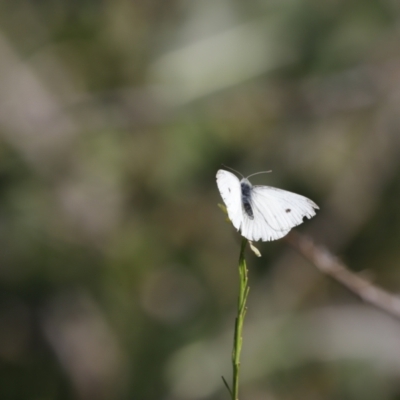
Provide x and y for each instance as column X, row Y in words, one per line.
column 330, row 265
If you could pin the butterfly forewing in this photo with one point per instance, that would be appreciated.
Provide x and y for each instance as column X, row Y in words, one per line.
column 229, row 187
column 282, row 210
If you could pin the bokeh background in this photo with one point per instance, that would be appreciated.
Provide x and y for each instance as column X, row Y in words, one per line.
column 118, row 273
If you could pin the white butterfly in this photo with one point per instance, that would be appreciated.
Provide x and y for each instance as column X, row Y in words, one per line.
column 262, row 212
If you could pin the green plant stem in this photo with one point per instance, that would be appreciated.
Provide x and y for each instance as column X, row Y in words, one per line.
column 237, row 341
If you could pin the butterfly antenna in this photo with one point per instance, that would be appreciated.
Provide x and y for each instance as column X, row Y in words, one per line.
column 262, row 172
column 234, row 170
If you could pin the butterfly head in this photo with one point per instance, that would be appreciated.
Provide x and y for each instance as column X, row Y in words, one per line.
column 245, row 183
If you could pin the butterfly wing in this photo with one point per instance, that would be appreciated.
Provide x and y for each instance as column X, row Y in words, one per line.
column 276, row 212
column 229, row 188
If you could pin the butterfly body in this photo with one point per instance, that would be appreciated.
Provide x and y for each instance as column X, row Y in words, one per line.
column 246, row 187
column 262, row 212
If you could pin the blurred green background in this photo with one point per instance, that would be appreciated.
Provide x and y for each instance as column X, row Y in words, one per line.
column 118, row 273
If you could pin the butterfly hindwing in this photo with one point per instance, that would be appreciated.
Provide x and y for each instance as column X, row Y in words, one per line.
column 260, row 227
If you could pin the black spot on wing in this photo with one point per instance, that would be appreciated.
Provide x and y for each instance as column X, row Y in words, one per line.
column 288, row 210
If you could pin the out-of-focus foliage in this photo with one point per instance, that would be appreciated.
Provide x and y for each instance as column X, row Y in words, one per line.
column 118, row 272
